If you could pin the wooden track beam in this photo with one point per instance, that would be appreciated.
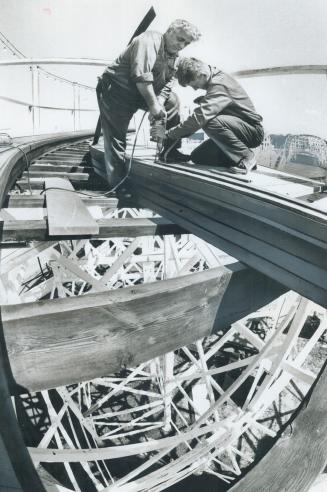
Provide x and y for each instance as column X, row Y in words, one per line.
column 283, row 238
column 55, row 342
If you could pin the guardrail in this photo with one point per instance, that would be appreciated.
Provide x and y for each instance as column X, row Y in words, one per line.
column 34, row 105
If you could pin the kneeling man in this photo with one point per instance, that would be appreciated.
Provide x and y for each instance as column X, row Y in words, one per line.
column 225, row 113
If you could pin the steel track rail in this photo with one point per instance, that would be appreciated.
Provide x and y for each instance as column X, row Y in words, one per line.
column 283, row 238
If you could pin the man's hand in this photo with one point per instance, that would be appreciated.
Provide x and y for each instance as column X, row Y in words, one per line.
column 155, row 108
column 169, row 134
column 158, row 132
column 198, row 100
column 156, row 112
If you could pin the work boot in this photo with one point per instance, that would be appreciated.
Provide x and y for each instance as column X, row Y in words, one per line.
column 174, row 157
column 244, row 166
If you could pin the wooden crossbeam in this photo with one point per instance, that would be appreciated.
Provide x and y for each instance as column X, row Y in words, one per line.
column 37, row 230
column 37, row 176
column 38, row 201
column 59, row 159
column 59, row 167
column 67, row 214
column 157, row 317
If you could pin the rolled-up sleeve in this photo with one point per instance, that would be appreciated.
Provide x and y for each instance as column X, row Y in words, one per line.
column 143, row 54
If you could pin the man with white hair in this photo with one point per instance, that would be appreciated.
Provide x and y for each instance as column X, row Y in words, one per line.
column 225, row 113
column 141, row 78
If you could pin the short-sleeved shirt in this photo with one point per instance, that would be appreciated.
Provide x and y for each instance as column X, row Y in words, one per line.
column 224, row 96
column 145, row 60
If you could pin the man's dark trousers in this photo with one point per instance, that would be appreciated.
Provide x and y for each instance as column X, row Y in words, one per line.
column 230, row 141
column 116, row 110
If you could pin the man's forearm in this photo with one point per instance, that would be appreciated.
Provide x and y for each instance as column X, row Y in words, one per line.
column 190, row 126
column 147, row 92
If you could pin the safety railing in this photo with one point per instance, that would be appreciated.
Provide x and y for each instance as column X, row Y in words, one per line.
column 35, row 66
column 35, row 90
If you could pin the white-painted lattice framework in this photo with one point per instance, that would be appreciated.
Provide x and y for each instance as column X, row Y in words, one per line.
column 186, row 412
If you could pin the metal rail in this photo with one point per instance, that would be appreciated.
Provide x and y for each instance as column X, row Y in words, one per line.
column 257, row 72
column 31, row 105
column 56, row 61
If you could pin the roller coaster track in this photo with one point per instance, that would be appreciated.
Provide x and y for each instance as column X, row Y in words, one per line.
column 100, row 331
column 134, row 352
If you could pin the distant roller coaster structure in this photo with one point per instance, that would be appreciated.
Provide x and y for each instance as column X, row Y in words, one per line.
column 308, row 145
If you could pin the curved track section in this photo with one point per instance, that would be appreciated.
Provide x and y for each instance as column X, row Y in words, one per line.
column 282, row 237
column 206, row 407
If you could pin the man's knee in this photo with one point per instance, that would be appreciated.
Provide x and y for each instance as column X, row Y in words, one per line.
column 216, row 124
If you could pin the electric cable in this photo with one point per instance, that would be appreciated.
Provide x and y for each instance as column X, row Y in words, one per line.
column 168, row 150
column 112, row 190
column 129, row 167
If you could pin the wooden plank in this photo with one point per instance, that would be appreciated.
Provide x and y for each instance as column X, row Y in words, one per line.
column 59, row 167
column 32, row 214
column 45, row 351
column 21, row 214
column 67, row 215
column 60, row 160
column 36, row 230
column 54, row 174
column 38, row 201
column 66, row 153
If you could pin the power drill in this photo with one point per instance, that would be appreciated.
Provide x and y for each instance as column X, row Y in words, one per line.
column 159, row 126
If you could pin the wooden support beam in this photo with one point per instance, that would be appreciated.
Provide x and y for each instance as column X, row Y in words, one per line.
column 56, row 342
column 67, row 214
column 30, row 230
column 36, row 230
column 281, row 237
column 37, row 177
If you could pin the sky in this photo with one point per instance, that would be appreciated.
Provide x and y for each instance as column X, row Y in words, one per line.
column 237, row 34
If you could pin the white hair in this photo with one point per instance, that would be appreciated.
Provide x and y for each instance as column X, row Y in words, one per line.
column 185, row 26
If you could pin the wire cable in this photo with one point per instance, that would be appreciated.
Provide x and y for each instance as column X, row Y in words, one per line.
column 11, row 144
column 130, row 159
column 112, row 190
column 167, row 151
